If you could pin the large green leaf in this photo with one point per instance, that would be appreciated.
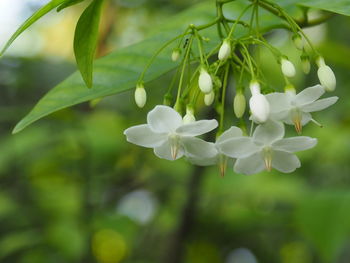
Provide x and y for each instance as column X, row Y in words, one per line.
column 85, row 39
column 336, row 6
column 120, row 70
column 31, row 20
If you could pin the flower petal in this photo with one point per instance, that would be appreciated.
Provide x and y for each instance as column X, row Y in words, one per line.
column 238, row 147
column 198, row 148
column 197, row 128
column 164, row 119
column 164, row 151
column 268, row 132
column 252, row 164
column 320, row 104
column 295, row 144
column 309, row 95
column 278, row 101
column 230, row 133
column 142, row 135
column 285, row 162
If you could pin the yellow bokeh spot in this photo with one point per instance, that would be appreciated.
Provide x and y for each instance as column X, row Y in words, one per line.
column 108, row 246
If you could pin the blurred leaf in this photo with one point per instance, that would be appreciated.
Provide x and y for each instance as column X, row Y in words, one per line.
column 120, row 70
column 31, row 20
column 336, row 6
column 85, row 39
column 13, row 242
column 68, row 4
column 325, row 220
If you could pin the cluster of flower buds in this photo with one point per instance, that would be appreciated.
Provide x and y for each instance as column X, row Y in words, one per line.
column 172, row 136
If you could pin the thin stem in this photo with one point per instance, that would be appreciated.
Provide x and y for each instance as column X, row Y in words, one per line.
column 238, row 19
column 223, row 98
column 183, row 69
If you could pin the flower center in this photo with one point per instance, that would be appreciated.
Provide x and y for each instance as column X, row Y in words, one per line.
column 174, row 140
column 267, row 156
column 296, row 119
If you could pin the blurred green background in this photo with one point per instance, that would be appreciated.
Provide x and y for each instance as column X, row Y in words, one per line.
column 73, row 190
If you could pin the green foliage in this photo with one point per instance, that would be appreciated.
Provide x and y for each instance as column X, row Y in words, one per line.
column 85, row 39
column 336, row 6
column 68, row 4
column 31, row 20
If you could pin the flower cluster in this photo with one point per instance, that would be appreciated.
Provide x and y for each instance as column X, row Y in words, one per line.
column 201, row 76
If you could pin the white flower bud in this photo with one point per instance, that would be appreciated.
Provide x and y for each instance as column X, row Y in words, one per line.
column 175, row 55
column 288, row 68
column 239, row 104
column 298, row 42
column 259, row 107
column 254, row 87
column 225, row 50
column 305, row 64
column 140, row 95
column 326, row 75
column 205, row 82
column 189, row 116
column 209, row 98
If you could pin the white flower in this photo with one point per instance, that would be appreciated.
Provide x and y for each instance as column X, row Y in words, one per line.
column 225, row 50
column 326, row 75
column 170, row 137
column 219, row 158
column 205, row 82
column 287, row 68
column 259, row 106
column 209, row 98
column 239, row 104
column 266, row 149
column 140, row 95
column 295, row 109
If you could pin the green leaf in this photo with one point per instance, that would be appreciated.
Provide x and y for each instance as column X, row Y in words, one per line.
column 336, row 6
column 31, row 20
column 85, row 39
column 68, row 4
column 120, row 70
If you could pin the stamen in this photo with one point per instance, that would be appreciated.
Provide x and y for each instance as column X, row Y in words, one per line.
column 317, row 123
column 222, row 164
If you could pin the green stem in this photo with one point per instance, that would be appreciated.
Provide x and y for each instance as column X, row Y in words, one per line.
column 223, row 98
column 183, row 70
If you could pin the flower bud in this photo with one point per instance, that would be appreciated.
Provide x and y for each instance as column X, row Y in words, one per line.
column 239, row 104
column 305, row 64
column 168, row 99
column 288, row 68
column 140, row 95
column 254, row 87
column 326, row 75
column 189, row 116
column 209, row 98
column 175, row 54
column 259, row 107
column 298, row 41
column 205, row 82
column 225, row 50
column 290, row 89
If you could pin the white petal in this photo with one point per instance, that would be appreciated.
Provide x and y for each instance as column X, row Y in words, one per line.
column 259, row 107
column 278, row 101
column 320, row 104
column 142, row 135
column 285, row 162
column 252, row 164
column 197, row 128
column 164, row 119
column 268, row 132
column 309, row 95
column 230, row 133
column 278, row 116
column 295, row 144
column 164, row 151
column 195, row 147
column 238, row 147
